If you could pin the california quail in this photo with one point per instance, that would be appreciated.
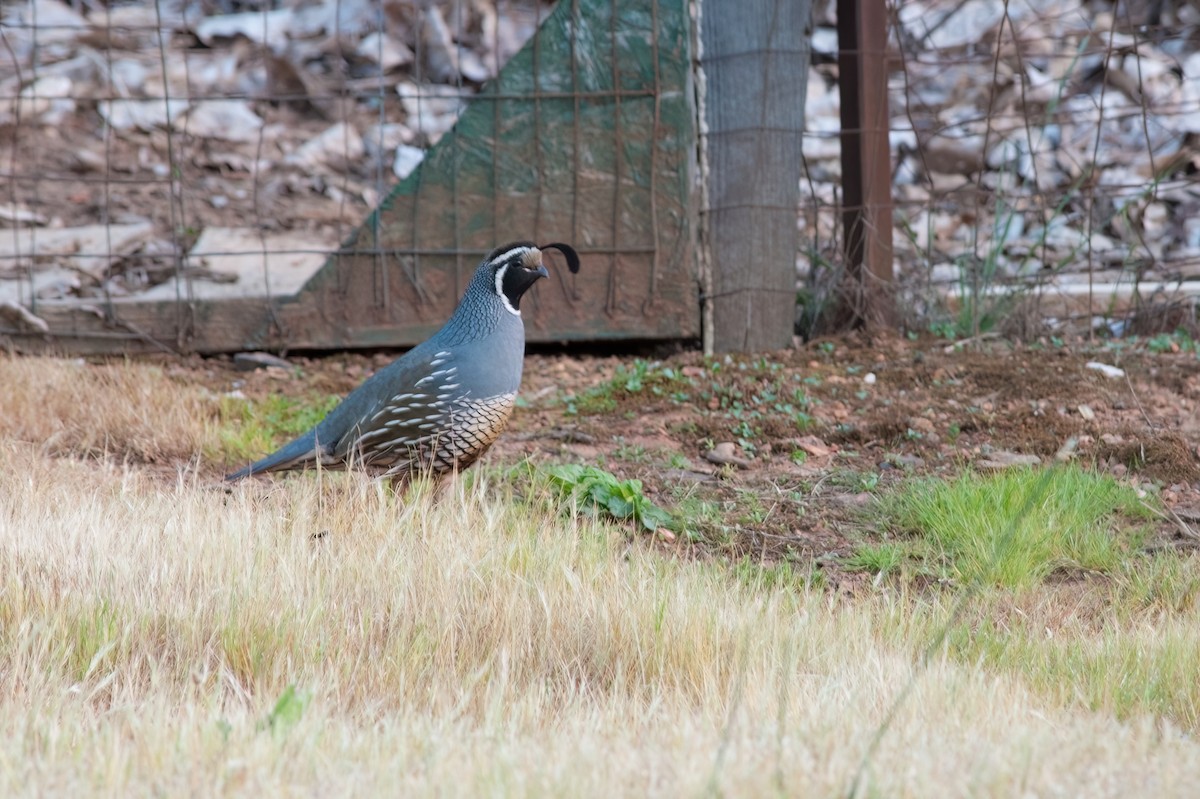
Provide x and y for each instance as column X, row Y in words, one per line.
column 440, row 406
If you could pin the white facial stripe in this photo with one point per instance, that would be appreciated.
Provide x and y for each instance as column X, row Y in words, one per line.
column 515, row 252
column 500, row 290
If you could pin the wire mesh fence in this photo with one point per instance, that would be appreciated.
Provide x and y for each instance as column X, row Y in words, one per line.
column 179, row 153
column 186, row 152
column 1044, row 163
column 159, row 121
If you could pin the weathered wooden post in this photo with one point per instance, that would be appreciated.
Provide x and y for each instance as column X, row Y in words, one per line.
column 867, row 296
column 753, row 79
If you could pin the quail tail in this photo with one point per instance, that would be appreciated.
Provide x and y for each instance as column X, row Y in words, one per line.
column 300, row 452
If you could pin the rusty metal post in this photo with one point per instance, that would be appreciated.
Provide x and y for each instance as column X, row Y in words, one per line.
column 868, row 297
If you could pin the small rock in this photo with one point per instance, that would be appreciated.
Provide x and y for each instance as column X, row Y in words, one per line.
column 1067, row 451
column 262, row 27
column 910, row 461
column 385, row 51
column 337, row 147
column 859, row 499
column 249, row 361
column 687, row 475
column 1105, row 369
column 725, row 454
column 814, row 446
column 445, row 60
column 382, row 140
column 869, row 378
column 921, row 424
column 20, row 318
column 1086, row 412
column 48, row 97
column 145, row 115
column 60, row 287
column 20, row 215
column 428, row 110
column 408, row 158
column 231, row 120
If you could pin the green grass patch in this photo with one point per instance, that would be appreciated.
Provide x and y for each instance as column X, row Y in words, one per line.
column 1015, row 528
column 641, row 378
column 879, row 558
column 250, row 429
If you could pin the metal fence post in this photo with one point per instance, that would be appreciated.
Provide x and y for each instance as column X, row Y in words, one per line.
column 866, row 163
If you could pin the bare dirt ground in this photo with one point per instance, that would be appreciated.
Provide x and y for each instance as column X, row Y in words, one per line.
column 812, row 435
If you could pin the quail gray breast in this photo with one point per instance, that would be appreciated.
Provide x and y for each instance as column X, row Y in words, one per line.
column 441, row 405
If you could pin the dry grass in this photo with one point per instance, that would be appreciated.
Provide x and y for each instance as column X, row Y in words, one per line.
column 148, row 632
column 470, row 648
column 127, row 411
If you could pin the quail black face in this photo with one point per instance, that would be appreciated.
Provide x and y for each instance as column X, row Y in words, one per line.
column 519, row 265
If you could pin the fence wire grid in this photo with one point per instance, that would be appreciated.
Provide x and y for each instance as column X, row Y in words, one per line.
column 1044, row 164
column 192, row 151
column 208, row 149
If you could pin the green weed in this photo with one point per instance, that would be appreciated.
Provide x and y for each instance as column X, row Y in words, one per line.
column 597, row 491
column 1179, row 341
column 641, row 377
column 880, row 558
column 288, row 710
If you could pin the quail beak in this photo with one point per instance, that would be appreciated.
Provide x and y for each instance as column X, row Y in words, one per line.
column 541, row 271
